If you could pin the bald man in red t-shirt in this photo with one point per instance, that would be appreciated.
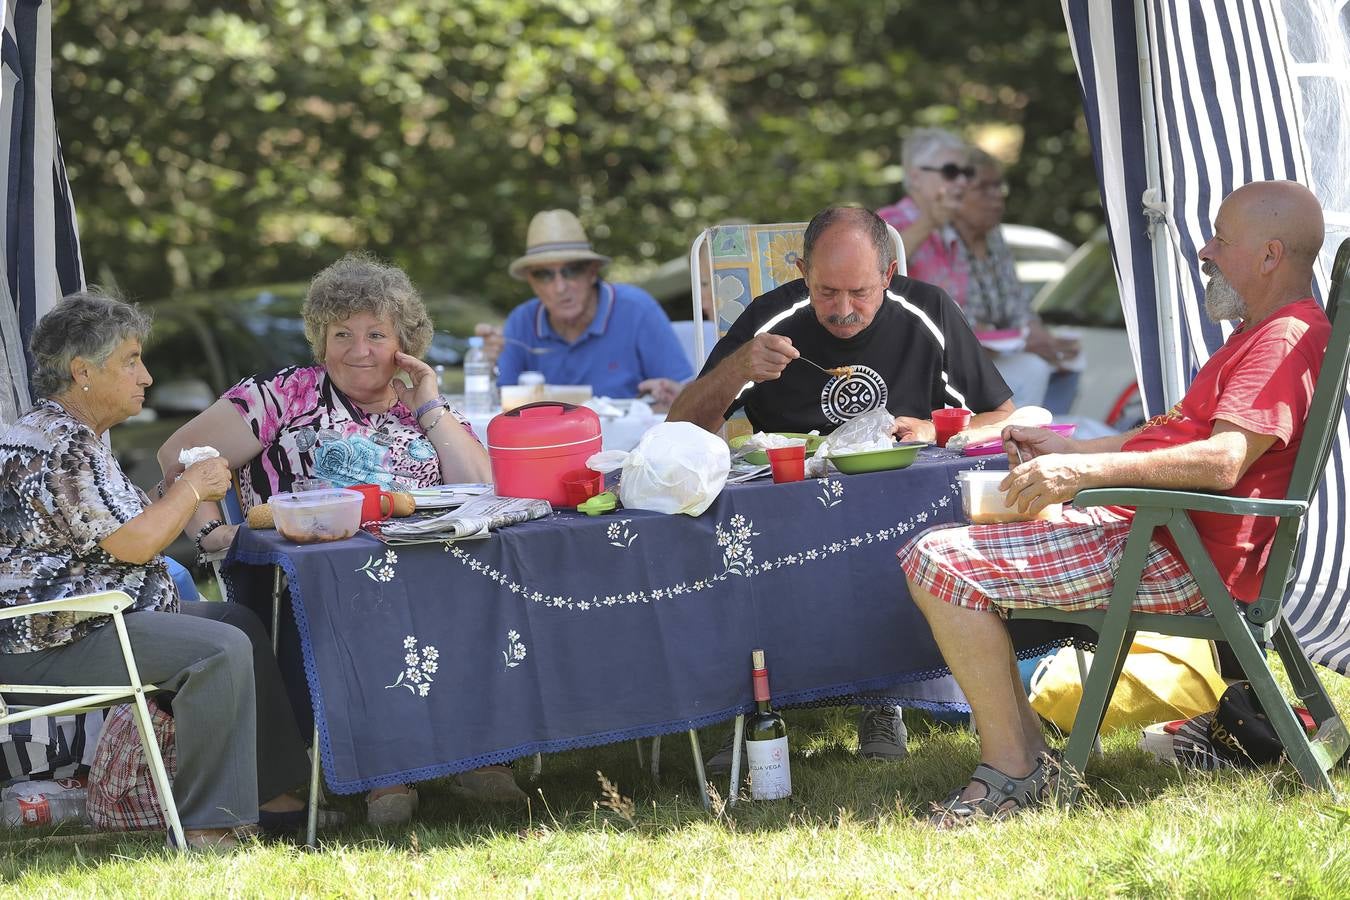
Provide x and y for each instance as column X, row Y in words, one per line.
column 1236, row 432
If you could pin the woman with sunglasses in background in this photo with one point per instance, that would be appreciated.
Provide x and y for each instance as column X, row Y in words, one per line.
column 580, row 329
column 937, row 174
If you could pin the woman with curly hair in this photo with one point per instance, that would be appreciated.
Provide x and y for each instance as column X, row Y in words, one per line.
column 369, row 412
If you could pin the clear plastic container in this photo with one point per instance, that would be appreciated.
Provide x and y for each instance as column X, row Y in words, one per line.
column 983, row 501
column 312, row 517
column 35, row 803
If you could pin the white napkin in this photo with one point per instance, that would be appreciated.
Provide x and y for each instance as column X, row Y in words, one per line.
column 193, row 455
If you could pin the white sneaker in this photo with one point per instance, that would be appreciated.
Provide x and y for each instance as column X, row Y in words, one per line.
column 392, row 809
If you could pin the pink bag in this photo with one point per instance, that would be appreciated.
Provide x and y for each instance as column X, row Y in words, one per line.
column 122, row 795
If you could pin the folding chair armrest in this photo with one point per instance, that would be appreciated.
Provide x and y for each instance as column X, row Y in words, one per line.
column 1192, row 500
column 104, row 603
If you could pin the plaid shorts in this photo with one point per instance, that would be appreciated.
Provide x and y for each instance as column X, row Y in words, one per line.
column 1070, row 564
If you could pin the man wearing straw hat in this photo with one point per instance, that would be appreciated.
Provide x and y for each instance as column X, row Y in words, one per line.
column 580, row 329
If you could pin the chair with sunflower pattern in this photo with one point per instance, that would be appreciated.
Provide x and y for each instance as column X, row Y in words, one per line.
column 745, row 261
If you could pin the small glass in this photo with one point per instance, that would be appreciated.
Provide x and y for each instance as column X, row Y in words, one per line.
column 310, row 484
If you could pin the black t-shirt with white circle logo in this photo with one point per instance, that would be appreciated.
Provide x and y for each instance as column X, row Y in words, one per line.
column 917, row 355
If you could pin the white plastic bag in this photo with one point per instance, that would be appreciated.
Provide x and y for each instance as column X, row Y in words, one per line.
column 677, row 467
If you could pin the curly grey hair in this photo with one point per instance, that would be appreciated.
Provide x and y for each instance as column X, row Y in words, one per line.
column 866, row 221
column 922, row 144
column 359, row 283
column 89, row 324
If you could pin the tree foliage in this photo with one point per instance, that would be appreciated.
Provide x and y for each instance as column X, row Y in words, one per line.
column 220, row 143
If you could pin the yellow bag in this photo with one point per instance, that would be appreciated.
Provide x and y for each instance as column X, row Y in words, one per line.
column 1165, row 678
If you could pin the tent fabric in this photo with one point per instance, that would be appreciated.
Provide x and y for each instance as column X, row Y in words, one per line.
column 1223, row 87
column 41, row 245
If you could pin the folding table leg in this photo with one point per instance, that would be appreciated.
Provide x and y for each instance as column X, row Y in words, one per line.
column 698, row 770
column 737, row 734
column 637, row 745
column 656, row 758
column 276, row 609
column 312, row 826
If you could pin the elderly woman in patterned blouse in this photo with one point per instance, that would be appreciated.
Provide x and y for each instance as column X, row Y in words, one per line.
column 72, row 523
column 370, row 412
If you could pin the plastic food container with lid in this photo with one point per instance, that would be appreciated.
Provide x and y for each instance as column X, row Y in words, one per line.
column 310, row 517
column 984, row 504
column 536, row 447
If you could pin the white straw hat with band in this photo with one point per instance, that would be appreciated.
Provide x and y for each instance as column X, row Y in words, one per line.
column 554, row 236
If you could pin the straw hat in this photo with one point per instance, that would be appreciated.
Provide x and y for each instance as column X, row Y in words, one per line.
column 555, row 236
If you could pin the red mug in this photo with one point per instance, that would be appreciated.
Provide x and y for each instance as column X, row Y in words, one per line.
column 948, row 422
column 581, row 485
column 376, row 503
column 787, row 463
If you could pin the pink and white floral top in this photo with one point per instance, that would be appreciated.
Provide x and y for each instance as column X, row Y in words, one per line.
column 310, row 429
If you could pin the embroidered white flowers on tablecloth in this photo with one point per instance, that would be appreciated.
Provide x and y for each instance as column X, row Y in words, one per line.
column 380, row 568
column 515, row 649
column 419, row 668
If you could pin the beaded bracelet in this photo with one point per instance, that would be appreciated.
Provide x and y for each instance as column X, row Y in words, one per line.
column 429, row 406
column 201, row 536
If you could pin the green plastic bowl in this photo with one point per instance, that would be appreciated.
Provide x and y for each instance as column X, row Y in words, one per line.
column 897, row 457
column 759, row 458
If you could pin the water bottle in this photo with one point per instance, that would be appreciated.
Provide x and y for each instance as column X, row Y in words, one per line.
column 32, row 803
column 477, row 380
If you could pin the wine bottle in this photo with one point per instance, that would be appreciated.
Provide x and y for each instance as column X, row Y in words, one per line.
column 766, row 743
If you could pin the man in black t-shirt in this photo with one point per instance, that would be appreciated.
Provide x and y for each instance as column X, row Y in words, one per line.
column 898, row 343
column 902, row 345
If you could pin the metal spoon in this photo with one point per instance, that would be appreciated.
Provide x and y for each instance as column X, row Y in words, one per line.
column 819, row 366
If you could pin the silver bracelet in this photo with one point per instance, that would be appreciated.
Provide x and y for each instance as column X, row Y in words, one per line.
column 427, row 429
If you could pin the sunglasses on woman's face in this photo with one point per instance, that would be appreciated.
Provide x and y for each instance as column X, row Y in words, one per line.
column 951, row 171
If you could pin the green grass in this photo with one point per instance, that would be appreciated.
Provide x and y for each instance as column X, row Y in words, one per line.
column 852, row 828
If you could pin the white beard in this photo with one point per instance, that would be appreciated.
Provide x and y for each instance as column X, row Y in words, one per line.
column 1222, row 301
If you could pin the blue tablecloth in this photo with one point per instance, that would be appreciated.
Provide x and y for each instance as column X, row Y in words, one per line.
column 429, row 659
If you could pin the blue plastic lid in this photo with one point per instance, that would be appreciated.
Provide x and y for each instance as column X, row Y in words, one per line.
column 476, row 341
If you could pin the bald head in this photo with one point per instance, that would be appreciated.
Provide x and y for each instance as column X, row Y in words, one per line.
column 1282, row 211
column 1267, row 235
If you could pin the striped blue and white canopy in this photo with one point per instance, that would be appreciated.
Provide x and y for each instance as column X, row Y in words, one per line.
column 1187, row 100
column 41, row 244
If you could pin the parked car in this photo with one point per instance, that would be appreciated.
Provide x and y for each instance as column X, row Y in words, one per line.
column 1086, row 299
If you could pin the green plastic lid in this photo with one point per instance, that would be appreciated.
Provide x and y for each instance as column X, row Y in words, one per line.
column 600, row 503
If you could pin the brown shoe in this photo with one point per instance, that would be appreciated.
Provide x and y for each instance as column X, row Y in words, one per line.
column 490, row 784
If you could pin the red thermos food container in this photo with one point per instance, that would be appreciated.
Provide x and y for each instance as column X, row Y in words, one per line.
column 535, row 447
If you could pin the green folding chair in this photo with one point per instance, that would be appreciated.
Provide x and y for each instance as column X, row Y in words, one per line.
column 1245, row 626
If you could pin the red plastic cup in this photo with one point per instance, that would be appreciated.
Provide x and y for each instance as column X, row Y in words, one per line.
column 373, row 502
column 787, row 463
column 581, row 485
column 948, row 422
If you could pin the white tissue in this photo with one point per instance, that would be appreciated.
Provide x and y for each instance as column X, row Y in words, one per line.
column 193, row 455
column 767, row 440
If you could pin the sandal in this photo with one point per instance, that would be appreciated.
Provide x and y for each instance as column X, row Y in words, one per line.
column 1001, row 789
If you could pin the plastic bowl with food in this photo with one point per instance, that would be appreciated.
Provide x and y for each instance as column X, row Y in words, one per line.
column 896, row 457
column 312, row 517
column 760, row 458
column 983, row 500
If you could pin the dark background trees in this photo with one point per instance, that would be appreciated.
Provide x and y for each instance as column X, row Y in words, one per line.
column 212, row 144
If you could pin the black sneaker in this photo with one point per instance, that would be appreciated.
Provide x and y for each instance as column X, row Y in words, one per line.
column 881, row 733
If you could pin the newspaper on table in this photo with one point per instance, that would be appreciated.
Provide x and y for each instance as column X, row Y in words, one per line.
column 474, row 519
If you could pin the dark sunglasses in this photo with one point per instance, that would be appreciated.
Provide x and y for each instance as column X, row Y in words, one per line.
column 569, row 272
column 951, row 171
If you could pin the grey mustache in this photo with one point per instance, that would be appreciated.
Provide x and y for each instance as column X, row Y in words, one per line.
column 850, row 319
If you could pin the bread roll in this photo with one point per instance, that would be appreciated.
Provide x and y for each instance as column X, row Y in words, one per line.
column 404, row 504
column 260, row 517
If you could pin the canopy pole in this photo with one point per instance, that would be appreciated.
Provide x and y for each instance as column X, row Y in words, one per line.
column 1170, row 356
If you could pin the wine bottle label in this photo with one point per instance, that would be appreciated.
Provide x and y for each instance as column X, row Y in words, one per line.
column 770, row 773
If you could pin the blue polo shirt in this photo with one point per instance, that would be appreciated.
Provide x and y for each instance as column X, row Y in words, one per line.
column 628, row 341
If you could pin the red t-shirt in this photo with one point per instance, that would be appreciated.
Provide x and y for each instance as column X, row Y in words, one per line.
column 1261, row 380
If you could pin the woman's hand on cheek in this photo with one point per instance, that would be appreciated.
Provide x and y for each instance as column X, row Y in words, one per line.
column 425, row 386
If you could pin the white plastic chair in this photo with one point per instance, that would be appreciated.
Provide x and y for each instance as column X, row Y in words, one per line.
column 84, row 698
column 748, row 260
